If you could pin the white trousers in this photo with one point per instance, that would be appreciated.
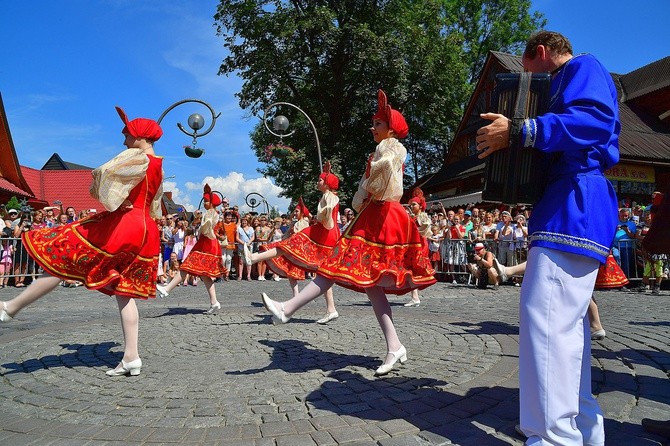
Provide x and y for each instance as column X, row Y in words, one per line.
column 227, row 256
column 556, row 404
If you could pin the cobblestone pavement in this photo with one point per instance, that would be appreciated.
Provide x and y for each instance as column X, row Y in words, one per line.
column 235, row 379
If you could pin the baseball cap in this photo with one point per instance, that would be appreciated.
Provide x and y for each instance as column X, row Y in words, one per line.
column 468, row 213
column 479, row 246
column 12, row 211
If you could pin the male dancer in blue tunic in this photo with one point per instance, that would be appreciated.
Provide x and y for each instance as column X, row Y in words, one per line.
column 570, row 233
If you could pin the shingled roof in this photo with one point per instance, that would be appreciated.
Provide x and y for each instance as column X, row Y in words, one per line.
column 57, row 163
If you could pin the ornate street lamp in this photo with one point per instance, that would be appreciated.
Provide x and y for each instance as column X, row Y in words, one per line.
column 280, row 124
column 254, row 199
column 195, row 122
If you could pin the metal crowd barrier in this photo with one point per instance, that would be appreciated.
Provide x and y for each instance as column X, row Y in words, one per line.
column 628, row 253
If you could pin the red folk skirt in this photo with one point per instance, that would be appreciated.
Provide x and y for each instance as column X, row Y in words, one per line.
column 205, row 259
column 382, row 247
column 610, row 275
column 115, row 253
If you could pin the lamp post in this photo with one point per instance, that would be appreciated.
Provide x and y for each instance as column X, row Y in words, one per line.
column 280, row 123
column 195, row 122
column 253, row 202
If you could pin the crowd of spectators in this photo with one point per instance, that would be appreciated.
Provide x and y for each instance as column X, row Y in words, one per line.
column 16, row 266
column 453, row 244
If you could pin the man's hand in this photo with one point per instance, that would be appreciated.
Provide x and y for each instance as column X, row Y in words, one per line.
column 494, row 136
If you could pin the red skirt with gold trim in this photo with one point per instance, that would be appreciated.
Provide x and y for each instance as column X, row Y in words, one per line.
column 381, row 248
column 610, row 275
column 282, row 266
column 115, row 253
column 205, row 259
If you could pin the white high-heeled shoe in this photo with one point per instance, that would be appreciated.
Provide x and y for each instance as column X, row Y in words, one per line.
column 214, row 308
column 132, row 367
column 161, row 291
column 278, row 316
column 4, row 314
column 400, row 354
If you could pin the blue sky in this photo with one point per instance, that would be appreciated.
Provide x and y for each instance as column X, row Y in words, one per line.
column 65, row 64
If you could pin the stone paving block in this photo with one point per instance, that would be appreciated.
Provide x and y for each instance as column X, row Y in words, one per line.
column 374, row 431
column 322, row 438
column 616, row 402
column 166, row 435
column 276, row 429
column 328, row 422
column 138, row 436
column 296, row 440
column 397, row 427
column 348, row 434
column 114, row 433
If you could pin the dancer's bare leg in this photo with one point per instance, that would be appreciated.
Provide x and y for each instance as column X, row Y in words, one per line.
column 211, row 290
column 382, row 309
column 265, row 255
column 594, row 316
column 176, row 280
column 314, row 289
column 130, row 325
column 516, row 269
column 294, row 286
column 330, row 300
column 36, row 290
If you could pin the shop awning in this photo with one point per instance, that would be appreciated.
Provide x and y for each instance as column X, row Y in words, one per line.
column 461, row 200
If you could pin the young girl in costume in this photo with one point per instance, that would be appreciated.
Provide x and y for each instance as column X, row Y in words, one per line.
column 189, row 242
column 116, row 251
column 205, row 259
column 418, row 210
column 381, row 251
column 306, row 249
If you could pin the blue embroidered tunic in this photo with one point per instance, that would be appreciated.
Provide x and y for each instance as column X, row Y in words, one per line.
column 580, row 134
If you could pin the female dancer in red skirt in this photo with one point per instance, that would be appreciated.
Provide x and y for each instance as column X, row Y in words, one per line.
column 274, row 258
column 381, row 251
column 114, row 252
column 205, row 259
column 417, row 207
column 307, row 248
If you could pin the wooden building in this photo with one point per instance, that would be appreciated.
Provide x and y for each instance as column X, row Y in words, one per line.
column 644, row 142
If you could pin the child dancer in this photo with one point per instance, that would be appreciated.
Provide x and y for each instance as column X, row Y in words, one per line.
column 114, row 252
column 417, row 206
column 205, row 259
column 381, row 251
column 307, row 248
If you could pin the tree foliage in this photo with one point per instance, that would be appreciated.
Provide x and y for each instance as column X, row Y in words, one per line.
column 329, row 57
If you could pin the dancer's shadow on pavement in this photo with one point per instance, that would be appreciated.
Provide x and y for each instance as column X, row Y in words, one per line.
column 488, row 327
column 293, row 356
column 178, row 311
column 428, row 409
column 83, row 355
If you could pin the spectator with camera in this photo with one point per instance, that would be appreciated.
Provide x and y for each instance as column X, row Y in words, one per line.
column 483, row 268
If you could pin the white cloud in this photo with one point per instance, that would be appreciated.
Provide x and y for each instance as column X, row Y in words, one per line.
column 235, row 187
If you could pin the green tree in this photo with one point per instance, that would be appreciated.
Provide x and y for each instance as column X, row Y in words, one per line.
column 330, row 57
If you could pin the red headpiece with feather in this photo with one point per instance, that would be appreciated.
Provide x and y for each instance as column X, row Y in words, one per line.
column 210, row 196
column 393, row 118
column 417, row 197
column 303, row 209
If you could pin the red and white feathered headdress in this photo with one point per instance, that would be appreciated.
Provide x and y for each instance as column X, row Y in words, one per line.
column 303, row 209
column 394, row 119
column 417, row 197
column 140, row 127
column 213, row 197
